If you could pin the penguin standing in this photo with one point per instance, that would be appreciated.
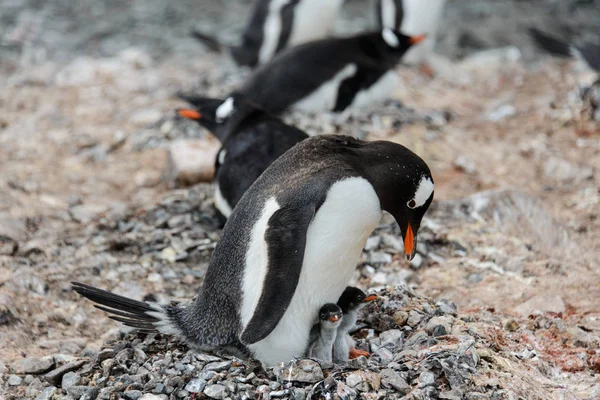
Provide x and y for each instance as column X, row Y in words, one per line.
column 350, row 302
column 412, row 17
column 278, row 24
column 290, row 245
column 323, row 335
column 251, row 140
column 330, row 74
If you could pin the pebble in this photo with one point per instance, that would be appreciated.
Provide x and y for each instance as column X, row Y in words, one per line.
column 414, row 317
column 218, row 366
column 392, row 339
column 150, row 396
column 46, row 393
column 33, row 365
column 299, row 371
column 70, row 379
column 216, row 391
column 392, row 379
column 14, row 380
column 55, row 376
column 426, row 378
column 195, row 385
column 400, row 318
column 82, row 392
column 190, row 162
column 132, row 394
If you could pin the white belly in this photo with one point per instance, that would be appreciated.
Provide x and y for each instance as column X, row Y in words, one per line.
column 324, row 97
column 220, row 203
column 421, row 17
column 313, row 20
column 335, row 239
column 271, row 31
column 379, row 91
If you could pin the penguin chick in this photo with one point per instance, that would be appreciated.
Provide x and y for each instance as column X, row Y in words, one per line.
column 330, row 74
column 251, row 140
column 276, row 25
column 290, row 245
column 588, row 52
column 350, row 302
column 323, row 334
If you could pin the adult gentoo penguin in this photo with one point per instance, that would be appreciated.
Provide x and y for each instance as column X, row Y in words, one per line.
column 412, row 17
column 290, row 245
column 330, row 74
column 277, row 24
column 323, row 335
column 251, row 140
column 350, row 302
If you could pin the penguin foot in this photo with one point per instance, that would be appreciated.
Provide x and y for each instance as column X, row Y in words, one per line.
column 355, row 353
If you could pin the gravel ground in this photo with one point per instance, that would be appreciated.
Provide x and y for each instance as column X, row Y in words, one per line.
column 501, row 302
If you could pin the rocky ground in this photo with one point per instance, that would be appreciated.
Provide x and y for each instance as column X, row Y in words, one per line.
column 501, row 302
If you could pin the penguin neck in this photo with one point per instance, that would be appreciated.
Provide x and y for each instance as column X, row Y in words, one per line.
column 328, row 333
column 349, row 320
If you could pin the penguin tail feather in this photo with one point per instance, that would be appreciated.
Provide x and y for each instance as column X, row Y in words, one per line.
column 146, row 317
column 551, row 44
column 209, row 41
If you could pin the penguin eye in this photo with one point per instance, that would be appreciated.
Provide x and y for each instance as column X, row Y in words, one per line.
column 411, row 204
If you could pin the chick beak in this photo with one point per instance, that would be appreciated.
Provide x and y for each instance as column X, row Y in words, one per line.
column 417, row 39
column 409, row 243
column 191, row 114
column 334, row 318
column 370, row 298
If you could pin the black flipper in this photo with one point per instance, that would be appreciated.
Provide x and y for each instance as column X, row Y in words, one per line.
column 591, row 54
column 128, row 311
column 551, row 44
column 209, row 41
column 286, row 241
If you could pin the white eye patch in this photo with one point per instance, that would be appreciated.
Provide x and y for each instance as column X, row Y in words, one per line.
column 390, row 37
column 224, row 110
column 423, row 193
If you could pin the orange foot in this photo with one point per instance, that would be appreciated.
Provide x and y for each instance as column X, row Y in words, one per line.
column 355, row 353
column 426, row 70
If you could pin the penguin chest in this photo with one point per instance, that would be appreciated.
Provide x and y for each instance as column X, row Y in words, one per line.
column 313, row 19
column 325, row 95
column 334, row 241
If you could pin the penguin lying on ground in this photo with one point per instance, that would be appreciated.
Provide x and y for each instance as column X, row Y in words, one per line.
column 278, row 24
column 251, row 140
column 412, row 17
column 323, row 335
column 290, row 245
column 330, row 74
column 350, row 302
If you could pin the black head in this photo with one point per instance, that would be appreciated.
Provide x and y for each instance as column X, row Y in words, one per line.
column 330, row 312
column 217, row 115
column 398, row 42
column 353, row 298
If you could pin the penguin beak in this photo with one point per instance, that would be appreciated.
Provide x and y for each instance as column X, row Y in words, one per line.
column 191, row 114
column 370, row 298
column 409, row 243
column 334, row 318
column 417, row 39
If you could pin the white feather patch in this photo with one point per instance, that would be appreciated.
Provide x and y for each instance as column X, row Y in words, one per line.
column 271, row 31
column 390, row 37
column 424, row 191
column 221, row 158
column 221, row 203
column 388, row 14
column 164, row 325
column 225, row 109
column 324, row 97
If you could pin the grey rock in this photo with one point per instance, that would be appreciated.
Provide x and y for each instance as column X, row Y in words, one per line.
column 345, row 392
column 14, row 380
column 106, row 354
column 33, row 365
column 279, row 393
column 34, row 388
column 400, row 318
column 454, row 394
column 414, row 317
column 542, row 303
column 392, row 339
column 446, row 307
column 159, row 388
column 426, row 378
column 437, row 322
column 195, row 385
column 70, row 379
column 384, row 355
column 150, row 396
column 216, row 391
column 46, row 393
column 83, row 392
column 28, row 379
column 416, row 340
column 299, row 371
column 391, row 379
column 132, row 394
column 55, row 376
column 218, row 366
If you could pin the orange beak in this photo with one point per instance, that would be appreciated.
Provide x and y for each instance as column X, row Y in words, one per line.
column 409, row 242
column 370, row 298
column 191, row 114
column 417, row 39
column 334, row 318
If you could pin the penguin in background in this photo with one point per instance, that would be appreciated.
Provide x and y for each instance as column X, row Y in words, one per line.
column 414, row 17
column 330, row 74
column 251, row 140
column 279, row 24
column 290, row 245
column 350, row 302
column 323, row 335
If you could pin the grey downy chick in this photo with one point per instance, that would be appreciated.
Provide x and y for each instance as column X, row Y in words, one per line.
column 350, row 302
column 324, row 333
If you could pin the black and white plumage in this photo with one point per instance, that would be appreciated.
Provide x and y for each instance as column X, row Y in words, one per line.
column 251, row 140
column 350, row 302
column 323, row 335
column 330, row 74
column 412, row 17
column 588, row 52
column 279, row 24
column 290, row 246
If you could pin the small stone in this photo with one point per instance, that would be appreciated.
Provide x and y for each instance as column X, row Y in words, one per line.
column 190, row 162
column 105, row 354
column 33, row 365
column 70, row 379
column 83, row 392
column 55, row 376
column 372, row 243
column 414, row 318
column 34, row 388
column 439, row 326
column 150, row 396
column 392, row 339
column 426, row 378
column 195, row 385
column 14, row 380
column 85, row 213
column 218, row 366
column 391, row 379
column 159, row 388
column 132, row 394
column 380, row 257
column 345, row 392
column 400, row 318
column 511, row 325
column 446, row 307
column 439, row 330
column 542, row 303
column 307, row 371
column 417, row 339
column 364, row 381
column 454, row 394
column 216, row 391
column 47, row 393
